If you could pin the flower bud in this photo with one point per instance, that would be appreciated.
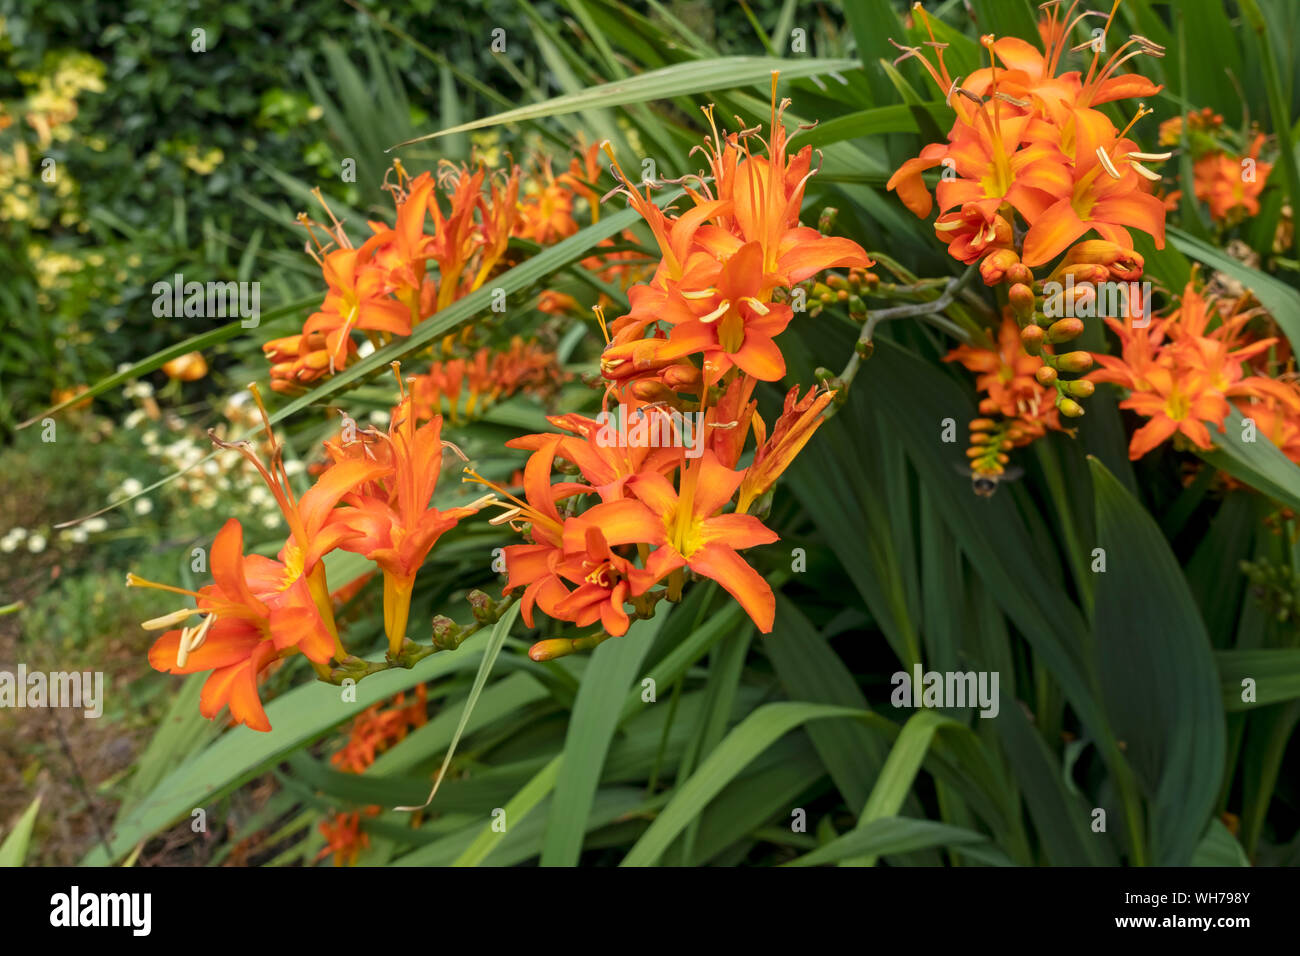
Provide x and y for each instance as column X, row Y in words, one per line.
column 1069, row 407
column 1031, row 337
column 1022, row 301
column 1079, row 388
column 1074, row 362
column 1064, row 330
column 481, row 606
column 994, row 266
column 1046, row 376
column 1123, row 264
column 445, row 631
column 648, row 390
column 1020, row 273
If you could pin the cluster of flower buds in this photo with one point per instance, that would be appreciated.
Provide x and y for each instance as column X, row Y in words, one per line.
column 847, row 290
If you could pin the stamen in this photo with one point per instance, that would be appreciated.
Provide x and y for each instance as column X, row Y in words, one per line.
column 452, row 445
column 168, row 621
column 192, row 639
column 1149, row 157
column 717, row 313
column 506, row 516
column 1106, row 163
column 1144, row 172
column 200, row 633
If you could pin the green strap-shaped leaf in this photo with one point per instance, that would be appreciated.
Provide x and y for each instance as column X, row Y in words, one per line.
column 1275, row 674
column 1160, row 688
column 681, row 79
column 900, row 770
column 14, row 849
column 515, row 810
column 601, row 698
column 890, row 835
column 746, row 741
column 500, row 631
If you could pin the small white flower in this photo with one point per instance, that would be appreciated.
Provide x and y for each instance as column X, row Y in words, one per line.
column 271, row 519
column 294, row 467
column 36, row 543
column 8, row 545
column 132, row 486
column 143, row 506
column 379, row 417
column 94, row 525
column 134, row 419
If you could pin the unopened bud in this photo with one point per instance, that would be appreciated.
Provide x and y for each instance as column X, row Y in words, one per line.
column 1022, row 301
column 1069, row 407
column 994, row 267
column 1074, row 361
column 1046, row 375
column 445, row 631
column 1064, row 330
column 481, row 606
column 1031, row 337
column 1020, row 274
column 1079, row 388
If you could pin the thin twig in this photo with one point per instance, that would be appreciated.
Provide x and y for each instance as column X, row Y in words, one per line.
column 929, row 310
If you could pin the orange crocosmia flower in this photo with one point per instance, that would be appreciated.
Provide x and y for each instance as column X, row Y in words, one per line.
column 1174, row 405
column 1107, row 196
column 379, row 727
column 1180, row 373
column 730, row 324
column 189, row 367
column 970, row 236
column 534, row 567
column 763, row 198
column 1277, row 422
column 255, row 610
column 675, row 235
column 604, row 585
column 402, row 251
column 500, row 211
column 690, row 532
column 600, row 455
column 546, row 214
column 1221, row 182
column 993, row 169
column 728, row 421
column 344, row 837
column 800, row 419
column 1006, row 372
column 357, row 299
column 391, row 522
column 314, row 530
column 455, row 235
